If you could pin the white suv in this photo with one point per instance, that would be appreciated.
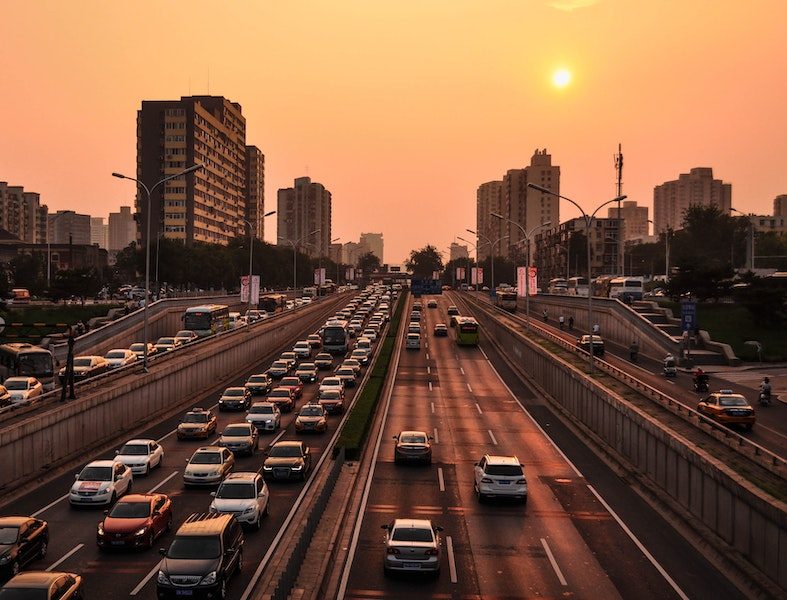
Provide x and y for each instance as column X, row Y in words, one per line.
column 244, row 495
column 500, row 477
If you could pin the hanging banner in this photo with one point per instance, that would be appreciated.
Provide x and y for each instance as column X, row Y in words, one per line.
column 349, row 274
column 435, row 274
column 255, row 289
column 533, row 283
column 460, row 273
column 477, row 275
column 521, row 273
column 319, row 276
column 244, row 289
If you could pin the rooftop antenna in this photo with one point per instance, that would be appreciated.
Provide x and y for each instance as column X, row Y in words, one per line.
column 621, row 227
column 208, row 80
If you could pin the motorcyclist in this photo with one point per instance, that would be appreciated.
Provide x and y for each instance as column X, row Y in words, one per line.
column 634, row 351
column 765, row 391
column 700, row 380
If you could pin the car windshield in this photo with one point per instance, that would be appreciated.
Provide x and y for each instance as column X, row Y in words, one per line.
column 331, row 394
column 236, row 491
column 23, row 594
column 288, row 355
column 137, row 347
column 285, row 451
column 206, row 458
column 261, row 410
column 504, row 470
column 194, row 547
column 412, row 439
column 187, row 333
column 166, row 341
column 732, row 401
column 130, row 510
column 311, row 411
column 324, row 356
column 279, row 393
column 234, row 392
column 306, row 367
column 359, row 352
column 15, row 384
column 8, row 535
column 239, row 431
column 116, row 354
column 35, row 363
column 279, row 364
column 257, row 379
column 96, row 474
column 412, row 534
column 134, row 449
column 82, row 362
column 196, row 418
column 302, row 345
column 291, row 381
column 331, row 382
column 346, row 371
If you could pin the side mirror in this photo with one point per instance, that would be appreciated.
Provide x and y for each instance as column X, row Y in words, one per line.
column 396, row 437
column 386, row 527
column 438, row 528
column 106, row 512
column 162, row 551
column 430, row 437
column 221, row 433
column 521, row 465
column 117, row 451
column 76, row 475
column 213, row 494
column 475, row 464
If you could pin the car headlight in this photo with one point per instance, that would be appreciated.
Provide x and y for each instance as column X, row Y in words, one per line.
column 141, row 531
column 297, row 468
column 212, row 509
column 248, row 511
column 100, row 529
column 209, row 579
column 215, row 471
column 162, row 577
column 267, row 468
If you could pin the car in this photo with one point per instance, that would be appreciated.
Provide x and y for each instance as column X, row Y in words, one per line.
column 235, row 398
column 347, row 375
column 100, row 482
column 440, row 330
column 330, row 382
column 295, row 384
column 205, row 553
column 432, row 303
column 417, row 306
column 323, row 360
column 302, row 349
column 138, row 348
column 135, row 521
column 120, row 357
column 332, row 399
column 356, row 326
column 583, row 343
column 290, row 357
column 415, row 316
column 5, row 397
column 453, row 320
column 453, row 309
column 141, row 456
column 499, row 477
column 729, row 408
column 235, row 320
column 352, row 362
column 283, row 397
column 44, row 585
column 198, row 423
column 208, row 465
column 361, row 355
column 413, row 341
column 23, row 390
column 412, row 545
column 259, row 384
column 86, row 366
column 279, row 368
column 306, row 300
column 186, row 336
column 307, row 372
column 244, row 495
column 369, row 333
column 23, row 540
column 265, row 416
column 413, row 327
column 287, row 460
column 253, row 315
column 311, row 417
column 363, row 343
column 413, row 446
column 239, row 438
column 167, row 344
column 315, row 341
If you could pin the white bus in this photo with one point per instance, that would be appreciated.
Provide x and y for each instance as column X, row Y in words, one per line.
column 626, row 288
column 558, row 285
column 578, row 286
column 335, row 337
column 27, row 360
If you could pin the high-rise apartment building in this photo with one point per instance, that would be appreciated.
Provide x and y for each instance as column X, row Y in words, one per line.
column 375, row 243
column 22, row 214
column 255, row 190
column 302, row 210
column 209, row 204
column 458, row 251
column 552, row 250
column 697, row 187
column 634, row 218
column 122, row 229
column 68, row 227
column 352, row 251
column 99, row 232
column 779, row 206
column 488, row 200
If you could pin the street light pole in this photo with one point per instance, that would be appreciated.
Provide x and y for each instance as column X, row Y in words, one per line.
column 294, row 244
column 588, row 222
column 475, row 248
column 148, row 191
column 492, row 253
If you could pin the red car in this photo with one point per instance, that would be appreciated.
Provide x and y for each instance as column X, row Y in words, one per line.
column 135, row 521
column 295, row 384
column 283, row 397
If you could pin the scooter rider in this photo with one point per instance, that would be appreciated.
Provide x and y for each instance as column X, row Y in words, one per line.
column 765, row 391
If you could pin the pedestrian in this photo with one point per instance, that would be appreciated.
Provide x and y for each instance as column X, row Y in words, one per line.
column 561, row 320
column 546, row 315
column 571, row 323
column 80, row 328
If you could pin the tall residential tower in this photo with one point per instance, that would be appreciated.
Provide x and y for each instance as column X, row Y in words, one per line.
column 303, row 209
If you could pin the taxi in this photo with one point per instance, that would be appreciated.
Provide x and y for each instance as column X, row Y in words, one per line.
column 728, row 408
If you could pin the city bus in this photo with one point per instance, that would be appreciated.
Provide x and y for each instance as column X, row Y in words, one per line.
column 335, row 337
column 626, row 288
column 28, row 360
column 558, row 285
column 207, row 319
column 578, row 286
column 506, row 300
column 273, row 303
column 466, row 331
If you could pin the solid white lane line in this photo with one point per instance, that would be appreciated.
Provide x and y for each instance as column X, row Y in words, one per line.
column 432, row 407
column 451, row 562
column 478, row 408
column 492, row 435
column 436, row 437
column 639, row 545
column 144, row 582
column 429, row 370
column 552, row 560
column 484, row 353
column 430, row 386
column 50, row 505
column 162, row 482
column 427, row 356
column 461, row 370
column 469, row 389
column 55, row 564
column 440, row 480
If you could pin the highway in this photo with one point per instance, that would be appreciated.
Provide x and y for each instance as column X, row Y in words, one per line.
column 583, row 533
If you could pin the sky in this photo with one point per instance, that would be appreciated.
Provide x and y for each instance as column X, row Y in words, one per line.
column 402, row 108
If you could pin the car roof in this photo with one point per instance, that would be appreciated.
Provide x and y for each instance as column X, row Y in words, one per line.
column 234, row 387
column 209, row 449
column 413, row 523
column 139, row 441
column 502, row 460
column 249, row 476
column 291, row 443
column 137, row 497
column 263, row 404
column 13, row 521
column 102, row 463
column 203, row 524
column 34, row 579
column 423, row 433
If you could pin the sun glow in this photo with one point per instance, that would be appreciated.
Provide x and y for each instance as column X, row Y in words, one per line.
column 561, row 78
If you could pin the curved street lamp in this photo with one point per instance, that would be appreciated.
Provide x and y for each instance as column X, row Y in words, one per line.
column 251, row 247
column 294, row 244
column 492, row 245
column 475, row 248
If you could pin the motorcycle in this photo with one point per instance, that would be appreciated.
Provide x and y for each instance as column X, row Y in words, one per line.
column 701, row 384
column 765, row 398
column 670, row 368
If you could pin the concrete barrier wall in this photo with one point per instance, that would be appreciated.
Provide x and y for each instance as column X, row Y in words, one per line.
column 45, row 440
column 742, row 516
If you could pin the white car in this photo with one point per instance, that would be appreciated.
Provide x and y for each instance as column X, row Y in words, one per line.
column 369, row 333
column 265, row 416
column 500, row 477
column 330, row 382
column 413, row 341
column 100, row 482
column 306, row 300
column 244, row 495
column 141, row 456
column 209, row 465
column 412, row 545
column 120, row 357
column 361, row 355
column 23, row 390
column 302, row 349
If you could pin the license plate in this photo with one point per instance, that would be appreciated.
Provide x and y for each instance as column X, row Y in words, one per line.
column 503, row 482
column 117, row 542
column 184, row 592
column 411, row 565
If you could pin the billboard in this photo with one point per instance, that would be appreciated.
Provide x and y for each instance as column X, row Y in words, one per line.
column 477, row 276
column 425, row 286
column 533, row 283
column 255, row 289
column 460, row 273
column 520, row 281
column 319, row 276
column 349, row 274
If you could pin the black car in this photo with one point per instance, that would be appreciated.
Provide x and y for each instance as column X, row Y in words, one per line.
column 206, row 552
column 287, row 460
column 307, row 372
column 22, row 540
column 259, row 384
column 583, row 343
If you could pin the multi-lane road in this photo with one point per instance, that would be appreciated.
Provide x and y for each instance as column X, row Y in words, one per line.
column 583, row 533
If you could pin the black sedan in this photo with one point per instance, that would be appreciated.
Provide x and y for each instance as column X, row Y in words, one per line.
column 22, row 541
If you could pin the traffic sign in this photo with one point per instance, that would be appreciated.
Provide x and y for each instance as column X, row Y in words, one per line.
column 688, row 315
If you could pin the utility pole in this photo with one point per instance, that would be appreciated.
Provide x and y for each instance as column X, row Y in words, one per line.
column 619, row 194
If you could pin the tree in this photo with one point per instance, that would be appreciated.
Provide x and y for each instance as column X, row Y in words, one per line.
column 449, row 274
column 424, row 262
column 368, row 263
column 764, row 300
column 704, row 283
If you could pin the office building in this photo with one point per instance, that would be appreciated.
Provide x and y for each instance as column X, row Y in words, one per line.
column 122, row 229
column 302, row 210
column 488, row 200
column 255, row 191
column 209, row 204
column 352, row 251
column 99, row 232
column 22, row 214
column 375, row 243
column 634, row 219
column 779, row 206
column 458, row 251
column 68, row 227
column 335, row 252
column 697, row 187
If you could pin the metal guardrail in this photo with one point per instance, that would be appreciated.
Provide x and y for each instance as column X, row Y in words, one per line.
column 751, row 450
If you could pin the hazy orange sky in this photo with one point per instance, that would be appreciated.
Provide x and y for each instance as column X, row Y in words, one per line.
column 402, row 108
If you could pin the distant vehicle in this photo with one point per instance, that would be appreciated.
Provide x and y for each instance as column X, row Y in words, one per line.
column 335, row 337
column 47, row 585
column 167, row 344
column 413, row 341
column 209, row 465
column 440, row 330
column 141, row 456
column 265, row 416
column 279, row 369
column 728, row 408
column 431, row 303
column 186, row 336
column 23, row 540
column 506, row 300
column 332, row 399
column 347, row 375
column 235, row 398
column 353, row 363
column 453, row 310
column 20, row 295
column 302, row 349
column 626, row 288
column 314, row 340
column 253, row 315
column 330, row 382
column 361, row 355
column 499, row 477
column 85, row 367
column 287, row 460
column 578, row 286
column 138, row 348
column 235, row 320
column 207, row 319
column 323, row 360
column 412, row 545
column 239, row 438
column 413, row 446
column 136, row 521
column 307, row 372
column 100, row 482
column 244, row 495
column 120, row 357
column 283, row 397
column 558, row 285
column 5, row 397
column 23, row 390
column 259, row 384
column 583, row 343
column 27, row 360
column 273, row 303
column 311, row 417
column 466, row 331
column 197, row 423
column 295, row 385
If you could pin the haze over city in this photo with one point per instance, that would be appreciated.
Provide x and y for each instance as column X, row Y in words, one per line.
column 403, row 109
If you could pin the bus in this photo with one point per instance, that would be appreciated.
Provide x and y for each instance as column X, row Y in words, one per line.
column 335, row 337
column 578, row 286
column 466, row 331
column 207, row 319
column 273, row 303
column 27, row 360
column 506, row 300
column 626, row 288
column 558, row 285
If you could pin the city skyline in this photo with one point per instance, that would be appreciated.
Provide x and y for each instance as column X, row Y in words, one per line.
column 380, row 124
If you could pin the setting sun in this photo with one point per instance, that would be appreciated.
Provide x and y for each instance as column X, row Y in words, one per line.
column 561, row 78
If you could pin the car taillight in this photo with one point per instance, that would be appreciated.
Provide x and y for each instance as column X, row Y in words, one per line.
column 392, row 551
column 432, row 552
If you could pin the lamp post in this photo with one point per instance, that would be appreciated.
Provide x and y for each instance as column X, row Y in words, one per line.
column 148, row 192
column 667, row 236
column 475, row 247
column 251, row 247
column 588, row 222
column 751, row 237
column 49, row 249
column 294, row 244
column 492, row 252
column 338, row 260
column 527, row 235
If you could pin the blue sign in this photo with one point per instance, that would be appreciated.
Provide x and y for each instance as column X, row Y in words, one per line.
column 420, row 287
column 688, row 315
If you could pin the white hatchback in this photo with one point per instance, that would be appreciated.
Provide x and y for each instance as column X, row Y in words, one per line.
column 244, row 495
column 302, row 349
column 413, row 341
